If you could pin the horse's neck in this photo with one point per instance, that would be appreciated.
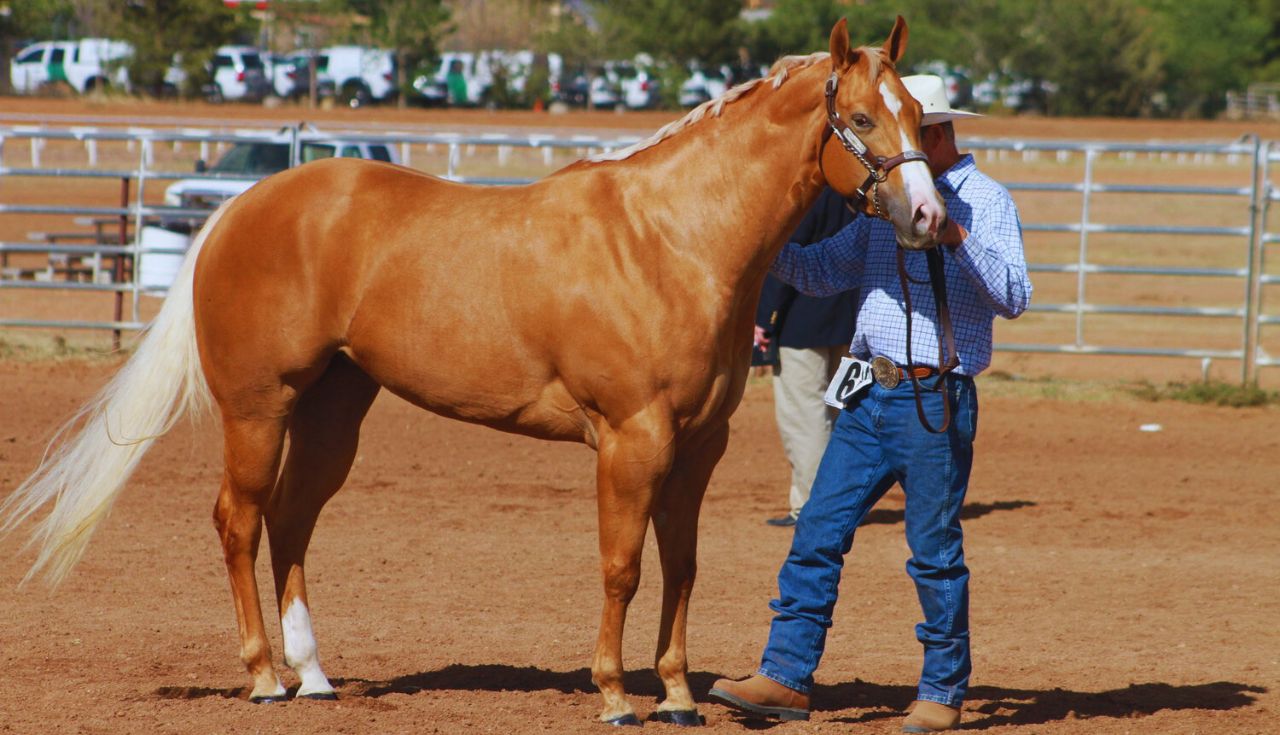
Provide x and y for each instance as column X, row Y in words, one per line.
column 743, row 181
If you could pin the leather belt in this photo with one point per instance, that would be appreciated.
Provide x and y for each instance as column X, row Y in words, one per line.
column 919, row 373
column 889, row 375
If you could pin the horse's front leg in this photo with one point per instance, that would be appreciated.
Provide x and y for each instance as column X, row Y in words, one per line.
column 633, row 462
column 675, row 522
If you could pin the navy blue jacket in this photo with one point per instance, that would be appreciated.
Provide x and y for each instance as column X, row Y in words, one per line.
column 793, row 319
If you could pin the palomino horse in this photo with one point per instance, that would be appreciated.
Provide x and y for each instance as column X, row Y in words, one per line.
column 610, row 303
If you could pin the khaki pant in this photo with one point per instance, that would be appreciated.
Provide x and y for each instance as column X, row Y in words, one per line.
column 804, row 420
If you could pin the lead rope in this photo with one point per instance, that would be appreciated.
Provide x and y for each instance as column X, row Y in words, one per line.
column 938, row 282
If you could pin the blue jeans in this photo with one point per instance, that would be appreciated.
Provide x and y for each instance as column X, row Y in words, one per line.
column 877, row 440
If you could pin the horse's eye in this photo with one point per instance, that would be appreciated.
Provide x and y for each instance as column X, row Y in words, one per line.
column 861, row 121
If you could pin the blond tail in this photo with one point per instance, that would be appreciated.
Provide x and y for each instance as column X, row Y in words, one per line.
column 92, row 456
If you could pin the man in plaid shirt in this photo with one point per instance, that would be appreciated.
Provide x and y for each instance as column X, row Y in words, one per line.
column 879, row 439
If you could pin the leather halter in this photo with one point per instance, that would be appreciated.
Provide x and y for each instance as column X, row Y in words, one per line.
column 948, row 358
column 878, row 167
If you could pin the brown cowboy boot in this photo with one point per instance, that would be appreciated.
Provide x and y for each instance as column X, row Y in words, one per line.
column 925, row 717
column 760, row 695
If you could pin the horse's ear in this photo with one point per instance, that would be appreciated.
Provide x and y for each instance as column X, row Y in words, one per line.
column 840, row 45
column 896, row 44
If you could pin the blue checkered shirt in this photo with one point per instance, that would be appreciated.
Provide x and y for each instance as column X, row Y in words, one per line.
column 986, row 275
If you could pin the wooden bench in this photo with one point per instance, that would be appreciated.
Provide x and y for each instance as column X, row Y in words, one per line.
column 90, row 266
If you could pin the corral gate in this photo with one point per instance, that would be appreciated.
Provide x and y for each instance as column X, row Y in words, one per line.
column 1264, row 267
column 1245, row 232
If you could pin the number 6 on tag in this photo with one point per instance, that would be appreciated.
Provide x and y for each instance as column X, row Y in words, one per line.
column 852, row 376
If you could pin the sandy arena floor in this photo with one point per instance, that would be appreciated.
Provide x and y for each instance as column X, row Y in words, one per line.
column 1124, row 581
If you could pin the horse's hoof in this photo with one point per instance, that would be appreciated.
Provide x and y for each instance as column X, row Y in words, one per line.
column 320, row 696
column 269, row 699
column 681, row 717
column 627, row 720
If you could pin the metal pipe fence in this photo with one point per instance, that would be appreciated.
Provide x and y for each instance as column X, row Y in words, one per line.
column 1259, row 265
column 1241, row 179
column 1245, row 153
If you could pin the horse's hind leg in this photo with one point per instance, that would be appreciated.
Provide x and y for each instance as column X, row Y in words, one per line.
column 323, row 434
column 252, row 457
column 675, row 523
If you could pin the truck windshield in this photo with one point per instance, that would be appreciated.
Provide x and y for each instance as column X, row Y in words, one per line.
column 316, row 151
column 253, row 158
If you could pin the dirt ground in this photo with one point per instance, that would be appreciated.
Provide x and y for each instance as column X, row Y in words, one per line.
column 1123, row 581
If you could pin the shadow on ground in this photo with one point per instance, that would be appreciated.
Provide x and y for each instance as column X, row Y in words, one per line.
column 885, row 516
column 988, row 706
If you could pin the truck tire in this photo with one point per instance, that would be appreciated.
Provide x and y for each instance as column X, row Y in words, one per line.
column 354, row 93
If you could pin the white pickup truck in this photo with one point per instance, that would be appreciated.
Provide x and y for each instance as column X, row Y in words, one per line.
column 164, row 245
column 87, row 65
column 247, row 162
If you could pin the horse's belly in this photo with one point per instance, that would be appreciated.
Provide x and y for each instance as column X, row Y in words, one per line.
column 448, row 391
column 449, row 350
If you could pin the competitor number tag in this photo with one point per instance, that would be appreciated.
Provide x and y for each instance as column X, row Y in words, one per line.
column 852, row 376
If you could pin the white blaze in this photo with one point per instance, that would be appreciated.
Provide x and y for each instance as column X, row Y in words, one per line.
column 890, row 100
column 916, row 176
column 300, row 650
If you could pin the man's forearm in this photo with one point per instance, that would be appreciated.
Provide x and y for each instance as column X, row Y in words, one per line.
column 824, row 268
column 997, row 267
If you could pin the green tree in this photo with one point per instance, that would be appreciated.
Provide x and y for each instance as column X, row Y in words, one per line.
column 674, row 31
column 800, row 27
column 25, row 20
column 1103, row 58
column 410, row 29
column 94, row 18
column 1211, row 47
column 1269, row 10
column 1099, row 55
column 185, row 32
column 577, row 43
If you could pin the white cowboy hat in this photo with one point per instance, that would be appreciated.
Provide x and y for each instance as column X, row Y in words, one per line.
column 931, row 92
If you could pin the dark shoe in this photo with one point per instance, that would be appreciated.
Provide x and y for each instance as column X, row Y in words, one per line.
column 786, row 521
column 762, row 696
column 926, row 717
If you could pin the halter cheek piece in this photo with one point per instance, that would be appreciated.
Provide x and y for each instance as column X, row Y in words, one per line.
column 878, row 167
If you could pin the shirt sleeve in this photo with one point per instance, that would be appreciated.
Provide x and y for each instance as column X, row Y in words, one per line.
column 992, row 257
column 826, row 267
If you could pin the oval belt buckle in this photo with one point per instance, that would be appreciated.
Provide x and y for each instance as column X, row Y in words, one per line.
column 885, row 371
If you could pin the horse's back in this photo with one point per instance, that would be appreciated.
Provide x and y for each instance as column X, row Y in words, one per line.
column 408, row 274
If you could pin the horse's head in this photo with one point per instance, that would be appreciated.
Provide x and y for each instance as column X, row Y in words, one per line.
column 878, row 163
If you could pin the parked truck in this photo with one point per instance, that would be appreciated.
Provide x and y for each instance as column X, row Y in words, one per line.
column 87, row 65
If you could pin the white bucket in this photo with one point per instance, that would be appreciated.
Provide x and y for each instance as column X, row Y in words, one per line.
column 157, row 270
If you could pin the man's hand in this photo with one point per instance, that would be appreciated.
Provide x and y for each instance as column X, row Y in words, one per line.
column 953, row 235
column 760, row 341
column 761, row 338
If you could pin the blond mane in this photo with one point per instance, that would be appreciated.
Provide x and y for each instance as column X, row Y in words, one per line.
column 778, row 74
